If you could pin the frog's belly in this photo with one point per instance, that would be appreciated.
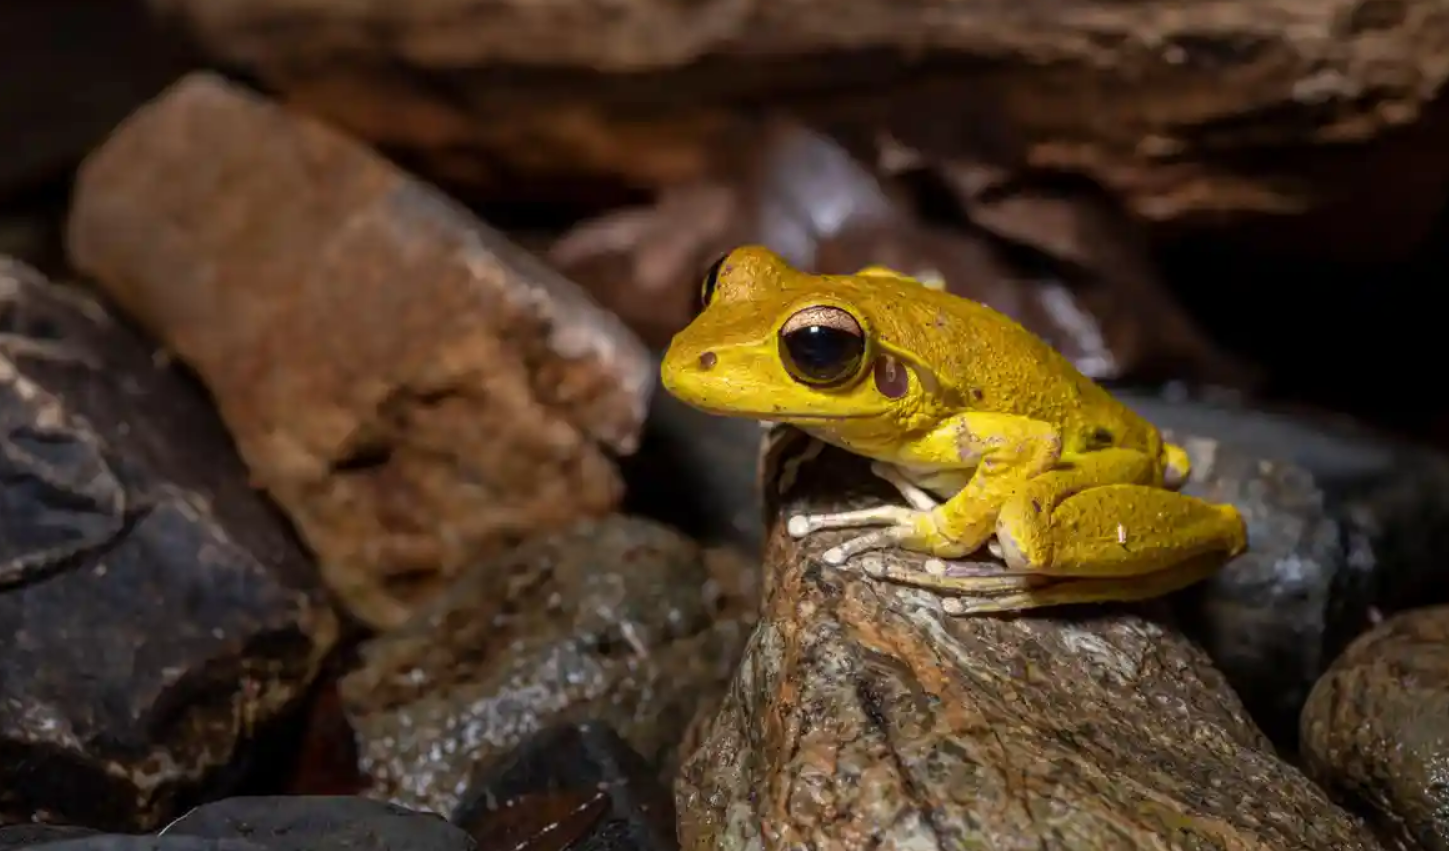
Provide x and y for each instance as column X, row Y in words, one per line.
column 939, row 480
column 941, row 483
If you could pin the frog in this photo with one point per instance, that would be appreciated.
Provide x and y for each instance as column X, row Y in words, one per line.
column 995, row 442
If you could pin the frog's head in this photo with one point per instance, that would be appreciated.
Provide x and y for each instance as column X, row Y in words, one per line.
column 774, row 343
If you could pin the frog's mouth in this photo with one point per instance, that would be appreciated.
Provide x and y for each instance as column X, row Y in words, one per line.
column 787, row 417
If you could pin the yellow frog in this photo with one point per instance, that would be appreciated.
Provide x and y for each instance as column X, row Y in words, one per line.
column 991, row 436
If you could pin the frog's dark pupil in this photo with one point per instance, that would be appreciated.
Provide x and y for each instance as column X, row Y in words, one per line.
column 711, row 280
column 822, row 354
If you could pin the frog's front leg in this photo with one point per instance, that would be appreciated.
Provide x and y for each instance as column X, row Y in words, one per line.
column 1005, row 451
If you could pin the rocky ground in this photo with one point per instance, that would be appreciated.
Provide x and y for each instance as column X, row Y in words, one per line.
column 339, row 503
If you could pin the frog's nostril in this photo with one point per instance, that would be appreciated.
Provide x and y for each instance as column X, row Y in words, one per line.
column 708, row 360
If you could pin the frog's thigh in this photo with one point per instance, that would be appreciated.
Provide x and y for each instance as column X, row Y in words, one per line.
column 1116, row 530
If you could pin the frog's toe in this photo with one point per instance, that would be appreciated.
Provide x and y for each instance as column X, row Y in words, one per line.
column 962, row 606
column 954, row 577
column 839, row 554
column 883, row 515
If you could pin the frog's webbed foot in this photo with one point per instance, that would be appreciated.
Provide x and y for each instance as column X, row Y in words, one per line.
column 975, row 588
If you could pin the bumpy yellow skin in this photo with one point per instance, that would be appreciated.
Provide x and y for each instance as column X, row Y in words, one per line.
column 991, row 436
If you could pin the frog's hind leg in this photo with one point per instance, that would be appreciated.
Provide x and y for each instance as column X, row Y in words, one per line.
column 1098, row 528
column 1116, row 531
column 1018, row 592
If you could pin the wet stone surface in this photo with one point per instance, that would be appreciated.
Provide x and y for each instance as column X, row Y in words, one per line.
column 620, row 621
column 1376, row 727
column 294, row 823
column 1344, row 526
column 575, row 787
column 123, row 506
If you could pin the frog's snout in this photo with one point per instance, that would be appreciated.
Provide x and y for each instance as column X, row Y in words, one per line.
column 682, row 370
column 698, row 376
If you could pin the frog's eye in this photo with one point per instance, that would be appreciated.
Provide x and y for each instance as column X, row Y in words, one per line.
column 822, row 346
column 711, row 282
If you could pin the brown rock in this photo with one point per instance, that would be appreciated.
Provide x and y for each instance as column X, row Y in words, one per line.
column 645, row 263
column 412, row 388
column 1188, row 109
column 861, row 716
column 156, row 615
column 1376, row 727
column 619, row 621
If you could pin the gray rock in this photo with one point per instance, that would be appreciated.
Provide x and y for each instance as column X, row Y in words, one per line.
column 319, row 823
column 291, row 823
column 1344, row 526
column 157, row 613
column 1376, row 727
column 619, row 621
column 578, row 787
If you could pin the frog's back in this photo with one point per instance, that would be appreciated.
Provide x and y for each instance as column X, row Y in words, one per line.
column 989, row 362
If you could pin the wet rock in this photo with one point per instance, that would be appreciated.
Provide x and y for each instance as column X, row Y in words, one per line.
column 292, row 823
column 619, row 621
column 1174, row 106
column 413, row 389
column 123, row 507
column 127, row 842
column 319, row 823
column 1345, row 525
column 577, row 787
column 862, row 715
column 1079, row 276
column 18, row 836
column 1376, row 727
